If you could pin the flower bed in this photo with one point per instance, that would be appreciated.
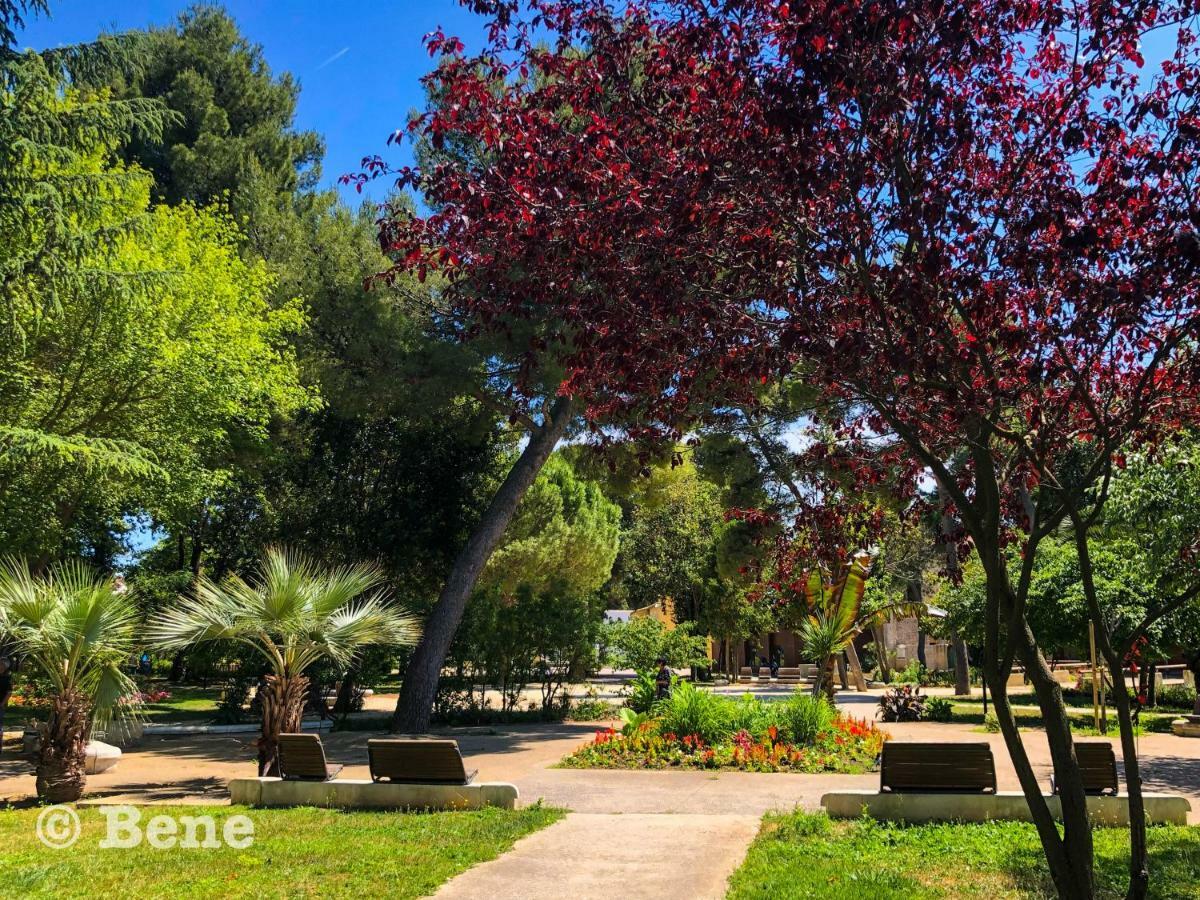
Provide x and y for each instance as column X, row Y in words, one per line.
column 770, row 740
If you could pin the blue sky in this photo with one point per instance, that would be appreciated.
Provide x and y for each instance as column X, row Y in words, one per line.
column 358, row 65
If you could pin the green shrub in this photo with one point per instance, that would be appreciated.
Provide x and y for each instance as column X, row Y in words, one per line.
column 633, row 722
column 910, row 674
column 643, row 690
column 690, row 710
column 939, row 709
column 990, row 723
column 1177, row 696
column 592, row 709
column 753, row 716
column 804, row 716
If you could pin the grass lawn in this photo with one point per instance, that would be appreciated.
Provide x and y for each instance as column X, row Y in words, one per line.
column 806, row 855
column 1082, row 722
column 186, row 704
column 189, row 704
column 296, row 853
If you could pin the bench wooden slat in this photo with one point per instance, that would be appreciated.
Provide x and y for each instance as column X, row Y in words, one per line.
column 921, row 766
column 417, row 761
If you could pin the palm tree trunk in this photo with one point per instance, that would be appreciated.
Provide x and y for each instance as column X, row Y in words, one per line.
column 415, row 705
column 62, row 755
column 282, row 712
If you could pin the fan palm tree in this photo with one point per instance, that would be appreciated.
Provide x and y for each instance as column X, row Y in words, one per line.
column 70, row 625
column 293, row 615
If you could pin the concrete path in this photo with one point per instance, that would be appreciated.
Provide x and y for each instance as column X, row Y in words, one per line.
column 591, row 856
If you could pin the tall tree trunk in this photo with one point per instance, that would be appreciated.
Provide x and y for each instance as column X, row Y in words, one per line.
column 62, row 752
column 856, row 672
column 1069, row 854
column 885, row 670
column 179, row 663
column 841, row 672
column 1139, row 871
column 417, row 694
column 962, row 666
column 282, row 713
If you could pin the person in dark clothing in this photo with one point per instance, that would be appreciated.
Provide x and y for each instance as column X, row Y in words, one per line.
column 6, row 683
column 662, row 681
column 776, row 661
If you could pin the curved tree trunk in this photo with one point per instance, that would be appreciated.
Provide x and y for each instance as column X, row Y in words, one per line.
column 282, row 712
column 62, row 753
column 417, row 694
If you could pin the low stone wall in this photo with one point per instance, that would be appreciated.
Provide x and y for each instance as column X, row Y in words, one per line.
column 1161, row 809
column 358, row 794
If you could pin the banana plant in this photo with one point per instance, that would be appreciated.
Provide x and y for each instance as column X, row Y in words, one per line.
column 831, row 619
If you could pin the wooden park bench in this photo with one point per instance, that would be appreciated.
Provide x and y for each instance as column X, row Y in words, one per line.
column 302, row 758
column 417, row 761
column 924, row 782
column 920, row 767
column 1098, row 766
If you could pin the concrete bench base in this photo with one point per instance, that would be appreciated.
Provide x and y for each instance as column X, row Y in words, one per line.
column 100, row 757
column 1161, row 809
column 356, row 794
column 1188, row 726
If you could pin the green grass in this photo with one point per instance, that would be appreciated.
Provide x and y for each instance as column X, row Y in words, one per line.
column 296, row 853
column 187, row 704
column 1082, row 721
column 805, row 855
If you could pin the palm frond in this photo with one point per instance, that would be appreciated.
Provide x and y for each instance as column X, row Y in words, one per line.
column 72, row 625
column 293, row 614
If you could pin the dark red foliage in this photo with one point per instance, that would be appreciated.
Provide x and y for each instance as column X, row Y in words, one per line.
column 971, row 222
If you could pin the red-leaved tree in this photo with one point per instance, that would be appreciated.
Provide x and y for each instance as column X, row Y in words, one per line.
column 971, row 225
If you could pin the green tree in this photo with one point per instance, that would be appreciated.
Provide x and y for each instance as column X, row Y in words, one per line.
column 534, row 616
column 232, row 134
column 638, row 643
column 563, row 538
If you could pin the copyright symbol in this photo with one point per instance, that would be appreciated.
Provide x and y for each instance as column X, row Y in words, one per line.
column 58, row 827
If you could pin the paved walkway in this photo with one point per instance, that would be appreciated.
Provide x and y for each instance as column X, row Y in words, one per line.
column 593, row 856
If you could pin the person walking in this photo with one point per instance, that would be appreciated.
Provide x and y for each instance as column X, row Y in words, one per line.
column 6, row 683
